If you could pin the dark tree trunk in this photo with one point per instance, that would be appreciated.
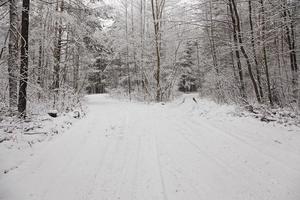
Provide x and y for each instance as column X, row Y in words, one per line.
column 41, row 52
column 265, row 53
column 76, row 69
column 157, row 12
column 240, row 40
column 212, row 39
column 127, row 51
column 40, row 64
column 24, row 59
column 57, row 51
column 258, row 72
column 65, row 69
column 290, row 38
column 237, row 52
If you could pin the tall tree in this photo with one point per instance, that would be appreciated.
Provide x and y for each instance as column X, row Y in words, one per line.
column 157, row 14
column 24, row 59
column 290, row 39
column 257, row 68
column 127, row 49
column 265, row 58
column 241, row 46
column 13, row 54
column 58, row 46
column 237, row 52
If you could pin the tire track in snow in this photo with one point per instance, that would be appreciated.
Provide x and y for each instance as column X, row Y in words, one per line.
column 99, row 166
column 162, row 180
column 180, row 130
column 238, row 139
column 124, row 182
column 70, row 159
column 188, row 162
column 116, row 168
column 157, row 154
column 108, row 165
column 136, row 168
column 175, row 169
column 129, row 159
column 256, row 171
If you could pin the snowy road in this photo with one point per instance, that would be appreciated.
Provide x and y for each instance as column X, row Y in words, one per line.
column 134, row 151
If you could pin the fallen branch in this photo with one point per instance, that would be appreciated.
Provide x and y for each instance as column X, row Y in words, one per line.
column 265, row 119
column 3, row 139
column 35, row 133
column 10, row 169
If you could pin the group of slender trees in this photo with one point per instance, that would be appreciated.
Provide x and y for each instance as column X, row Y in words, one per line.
column 139, row 44
column 51, row 45
column 231, row 50
column 261, row 47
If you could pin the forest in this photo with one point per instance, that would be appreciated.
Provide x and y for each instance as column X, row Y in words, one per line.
column 241, row 52
column 149, row 99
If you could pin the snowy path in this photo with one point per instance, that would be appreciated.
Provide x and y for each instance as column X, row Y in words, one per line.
column 134, row 151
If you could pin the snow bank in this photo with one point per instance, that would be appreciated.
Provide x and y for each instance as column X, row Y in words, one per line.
column 196, row 106
column 20, row 139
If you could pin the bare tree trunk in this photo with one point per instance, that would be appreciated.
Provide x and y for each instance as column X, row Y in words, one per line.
column 240, row 40
column 265, row 54
column 284, row 63
column 157, row 11
column 232, row 50
column 57, row 51
column 76, row 69
column 290, row 36
column 40, row 57
column 13, row 54
column 258, row 73
column 237, row 52
column 127, row 50
column 198, row 65
column 65, row 70
column 212, row 39
column 142, row 34
column 24, row 60
column 279, row 62
column 136, row 70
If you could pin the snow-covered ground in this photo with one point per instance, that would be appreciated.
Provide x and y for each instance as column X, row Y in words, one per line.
column 175, row 151
column 20, row 139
